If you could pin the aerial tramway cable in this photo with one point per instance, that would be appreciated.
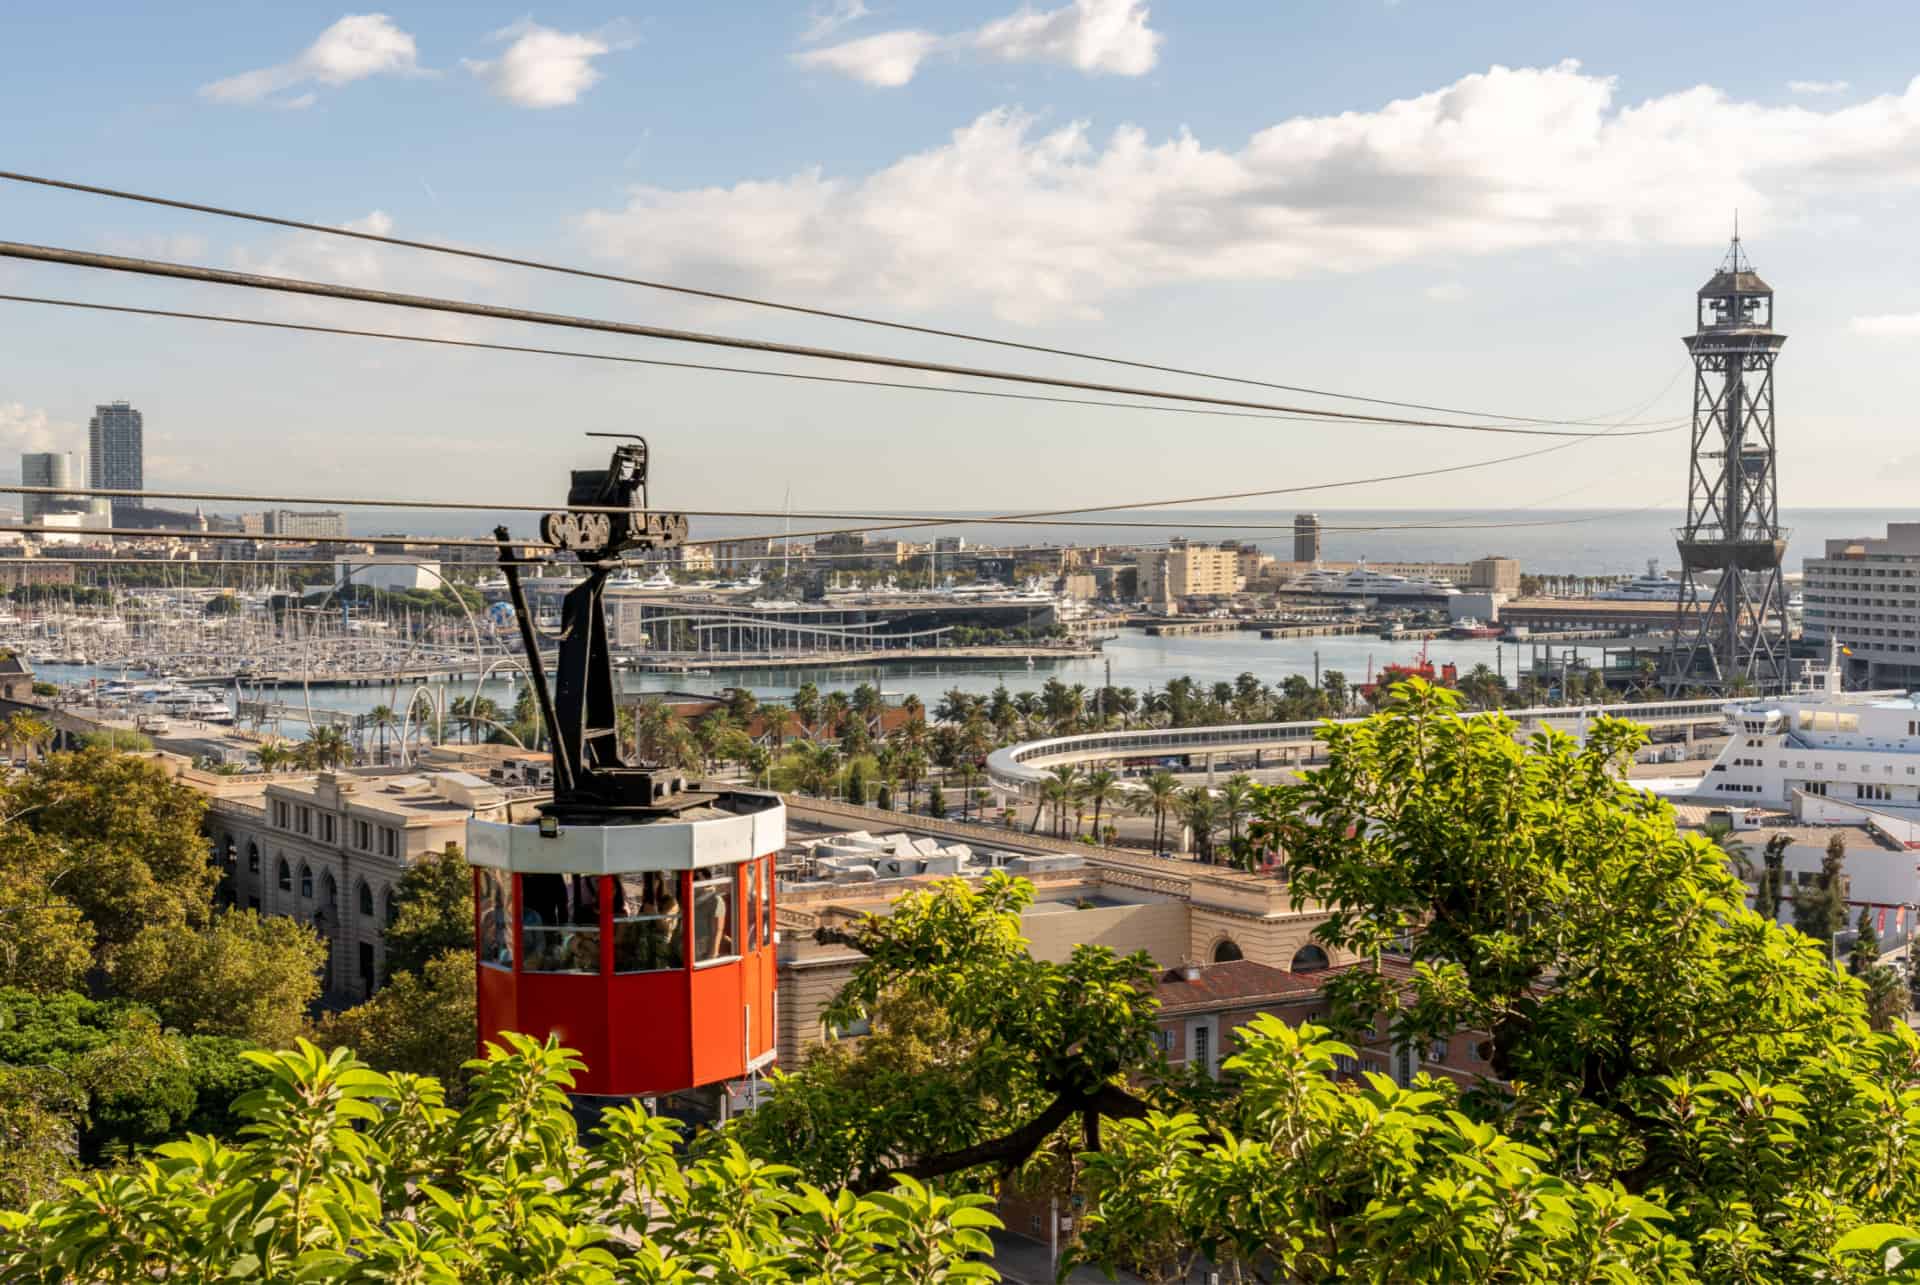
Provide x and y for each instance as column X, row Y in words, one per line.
column 802, row 376
column 315, row 289
column 751, row 301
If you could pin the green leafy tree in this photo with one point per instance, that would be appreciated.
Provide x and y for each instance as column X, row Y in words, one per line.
column 1820, row 910
column 1649, row 1033
column 433, row 913
column 1026, row 1046
column 46, row 944
column 936, row 801
column 1772, row 887
column 422, row 1021
column 345, row 1173
column 117, row 839
column 243, row 975
column 1372, row 1182
column 1866, row 944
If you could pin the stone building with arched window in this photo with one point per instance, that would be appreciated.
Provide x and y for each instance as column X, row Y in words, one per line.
column 329, row 848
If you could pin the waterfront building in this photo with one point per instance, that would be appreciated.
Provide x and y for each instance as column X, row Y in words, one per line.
column 1306, row 537
column 45, row 468
column 116, row 453
column 1864, row 594
column 743, row 555
column 311, row 524
column 386, row 571
column 1170, row 576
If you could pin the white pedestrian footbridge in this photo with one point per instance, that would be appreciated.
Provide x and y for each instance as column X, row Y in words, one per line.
column 1020, row 770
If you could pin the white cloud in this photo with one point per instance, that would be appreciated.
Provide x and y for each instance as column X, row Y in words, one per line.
column 178, row 247
column 1446, row 292
column 824, row 20
column 887, row 60
column 356, row 47
column 1891, row 325
column 543, row 67
column 1053, row 223
column 22, row 429
column 1109, row 36
column 1094, row 36
column 1817, row 86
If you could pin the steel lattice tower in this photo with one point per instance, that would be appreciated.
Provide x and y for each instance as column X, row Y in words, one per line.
column 1739, row 637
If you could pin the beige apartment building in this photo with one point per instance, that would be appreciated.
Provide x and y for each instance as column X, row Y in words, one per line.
column 1170, row 576
column 329, row 848
column 1174, row 911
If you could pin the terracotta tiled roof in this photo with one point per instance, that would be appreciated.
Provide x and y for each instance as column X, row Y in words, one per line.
column 1238, row 981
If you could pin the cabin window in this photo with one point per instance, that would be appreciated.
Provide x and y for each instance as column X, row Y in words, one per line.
column 559, row 923
column 766, row 908
column 714, row 925
column 649, row 931
column 495, row 917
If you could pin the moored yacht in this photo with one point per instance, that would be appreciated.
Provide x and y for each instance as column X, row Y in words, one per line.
column 1856, row 747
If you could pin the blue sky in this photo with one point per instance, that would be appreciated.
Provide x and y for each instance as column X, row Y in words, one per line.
column 1496, row 205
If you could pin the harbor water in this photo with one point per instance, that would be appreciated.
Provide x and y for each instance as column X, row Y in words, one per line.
column 1136, row 660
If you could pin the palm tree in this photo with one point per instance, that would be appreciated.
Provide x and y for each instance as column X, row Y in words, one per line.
column 823, row 761
column 1054, row 793
column 1236, row 801
column 383, row 719
column 806, row 707
column 1068, row 776
column 1157, row 796
column 1201, row 812
column 837, row 711
column 868, row 704
column 774, row 716
column 1100, row 788
column 325, row 747
column 913, row 769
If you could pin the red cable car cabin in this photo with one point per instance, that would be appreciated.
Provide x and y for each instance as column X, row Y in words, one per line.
column 647, row 944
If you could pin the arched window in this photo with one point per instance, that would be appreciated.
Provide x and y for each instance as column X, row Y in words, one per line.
column 306, row 881
column 392, row 907
column 286, row 876
column 229, row 853
column 364, row 895
column 253, row 857
column 329, row 891
column 1308, row 959
column 1227, row 950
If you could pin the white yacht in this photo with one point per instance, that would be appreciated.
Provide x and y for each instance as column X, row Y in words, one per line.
column 1858, row 748
column 1652, row 587
column 656, row 582
column 1364, row 582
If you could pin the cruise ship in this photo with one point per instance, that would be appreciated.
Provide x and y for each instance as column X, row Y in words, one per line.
column 1860, row 748
column 1652, row 587
column 1364, row 582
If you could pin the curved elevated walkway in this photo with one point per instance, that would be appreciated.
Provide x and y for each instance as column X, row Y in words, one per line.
column 1020, row 769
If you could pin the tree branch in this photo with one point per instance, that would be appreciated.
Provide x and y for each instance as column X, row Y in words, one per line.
column 1009, row 1150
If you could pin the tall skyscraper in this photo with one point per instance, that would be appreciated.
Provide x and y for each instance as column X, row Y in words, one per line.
column 1306, row 537
column 44, row 468
column 116, row 454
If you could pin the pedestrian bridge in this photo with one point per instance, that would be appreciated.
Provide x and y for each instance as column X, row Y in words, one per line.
column 1020, row 769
